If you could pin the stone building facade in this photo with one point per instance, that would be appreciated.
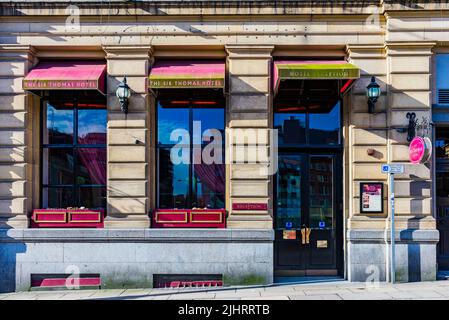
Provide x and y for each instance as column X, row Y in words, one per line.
column 394, row 42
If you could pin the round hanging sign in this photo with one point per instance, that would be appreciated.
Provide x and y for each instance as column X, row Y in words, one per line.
column 420, row 150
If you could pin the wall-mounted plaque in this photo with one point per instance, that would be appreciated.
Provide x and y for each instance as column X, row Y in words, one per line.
column 371, row 197
column 249, row 206
column 289, row 234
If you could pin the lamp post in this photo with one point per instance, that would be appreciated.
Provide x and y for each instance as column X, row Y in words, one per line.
column 123, row 93
column 373, row 93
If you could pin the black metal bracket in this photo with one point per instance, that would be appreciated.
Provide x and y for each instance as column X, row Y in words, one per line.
column 411, row 130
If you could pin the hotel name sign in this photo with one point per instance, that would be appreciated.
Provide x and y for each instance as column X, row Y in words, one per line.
column 318, row 73
column 59, row 84
column 186, row 83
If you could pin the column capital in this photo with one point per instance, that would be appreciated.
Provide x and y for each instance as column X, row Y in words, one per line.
column 15, row 51
column 377, row 51
column 410, row 48
column 249, row 51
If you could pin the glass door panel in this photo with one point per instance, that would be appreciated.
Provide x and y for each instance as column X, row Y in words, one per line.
column 289, row 198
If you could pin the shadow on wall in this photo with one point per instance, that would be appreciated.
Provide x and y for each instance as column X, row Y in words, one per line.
column 9, row 249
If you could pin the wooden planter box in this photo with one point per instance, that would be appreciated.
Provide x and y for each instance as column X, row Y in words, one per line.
column 67, row 218
column 189, row 218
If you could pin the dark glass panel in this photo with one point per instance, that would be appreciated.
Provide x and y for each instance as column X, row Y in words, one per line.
column 92, row 197
column 290, row 174
column 207, row 119
column 58, row 125
column 170, row 119
column 173, row 181
column 320, row 192
column 58, row 166
column 291, row 128
column 442, row 143
column 91, row 166
column 92, row 126
column 57, row 197
column 324, row 128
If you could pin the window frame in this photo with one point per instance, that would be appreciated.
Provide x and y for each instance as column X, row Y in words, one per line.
column 74, row 187
column 190, row 106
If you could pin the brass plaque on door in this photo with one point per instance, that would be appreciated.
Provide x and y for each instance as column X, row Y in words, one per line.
column 321, row 244
column 289, row 234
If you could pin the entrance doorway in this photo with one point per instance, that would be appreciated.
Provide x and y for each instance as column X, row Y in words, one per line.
column 308, row 206
column 306, row 214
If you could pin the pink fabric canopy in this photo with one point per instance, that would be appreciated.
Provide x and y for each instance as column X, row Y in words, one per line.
column 67, row 75
column 187, row 74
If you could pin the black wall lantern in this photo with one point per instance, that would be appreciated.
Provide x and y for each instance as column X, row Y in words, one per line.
column 123, row 94
column 373, row 93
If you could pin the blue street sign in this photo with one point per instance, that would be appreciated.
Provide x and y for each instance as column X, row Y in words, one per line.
column 288, row 224
column 393, row 168
column 322, row 224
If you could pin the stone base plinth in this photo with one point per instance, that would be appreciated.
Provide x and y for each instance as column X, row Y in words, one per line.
column 368, row 255
column 130, row 258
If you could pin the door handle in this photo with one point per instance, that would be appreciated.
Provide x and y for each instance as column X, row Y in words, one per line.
column 308, row 231
column 303, row 235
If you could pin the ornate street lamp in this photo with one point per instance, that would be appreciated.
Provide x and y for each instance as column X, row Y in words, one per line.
column 123, row 93
column 373, row 93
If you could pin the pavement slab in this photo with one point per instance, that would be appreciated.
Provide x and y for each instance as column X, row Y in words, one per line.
column 334, row 290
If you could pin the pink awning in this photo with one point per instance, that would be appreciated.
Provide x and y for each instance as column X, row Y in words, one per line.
column 67, row 75
column 187, row 74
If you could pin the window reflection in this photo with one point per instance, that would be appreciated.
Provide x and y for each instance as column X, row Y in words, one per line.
column 92, row 126
column 194, row 182
column 324, row 128
column 58, row 125
column 320, row 191
column 314, row 125
column 291, row 127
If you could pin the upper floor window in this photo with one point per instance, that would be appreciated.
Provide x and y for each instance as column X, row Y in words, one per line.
column 318, row 125
column 74, row 152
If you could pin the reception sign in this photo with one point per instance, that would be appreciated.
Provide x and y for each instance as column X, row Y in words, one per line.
column 420, row 150
column 371, row 197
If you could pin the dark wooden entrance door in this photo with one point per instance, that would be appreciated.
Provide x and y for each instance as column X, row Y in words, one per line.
column 308, row 214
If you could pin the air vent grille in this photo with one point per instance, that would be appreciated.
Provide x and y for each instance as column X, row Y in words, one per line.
column 443, row 96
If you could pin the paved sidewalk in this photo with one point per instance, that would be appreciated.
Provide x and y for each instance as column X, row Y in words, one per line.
column 335, row 290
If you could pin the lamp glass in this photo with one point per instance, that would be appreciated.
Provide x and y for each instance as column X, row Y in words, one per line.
column 373, row 92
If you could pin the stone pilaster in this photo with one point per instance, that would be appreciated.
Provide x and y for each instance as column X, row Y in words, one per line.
column 410, row 91
column 249, row 110
column 15, row 136
column 365, row 131
column 128, row 138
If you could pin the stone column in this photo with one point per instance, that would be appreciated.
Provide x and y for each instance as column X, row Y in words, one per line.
column 128, row 138
column 249, row 112
column 410, row 70
column 403, row 72
column 15, row 136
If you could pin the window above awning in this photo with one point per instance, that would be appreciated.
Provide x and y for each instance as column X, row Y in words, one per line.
column 314, row 70
column 66, row 75
column 187, row 74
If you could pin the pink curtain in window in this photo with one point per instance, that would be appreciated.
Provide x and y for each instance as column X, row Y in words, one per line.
column 94, row 159
column 212, row 176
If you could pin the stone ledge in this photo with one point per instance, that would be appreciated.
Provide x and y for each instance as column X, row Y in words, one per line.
column 401, row 236
column 136, row 235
